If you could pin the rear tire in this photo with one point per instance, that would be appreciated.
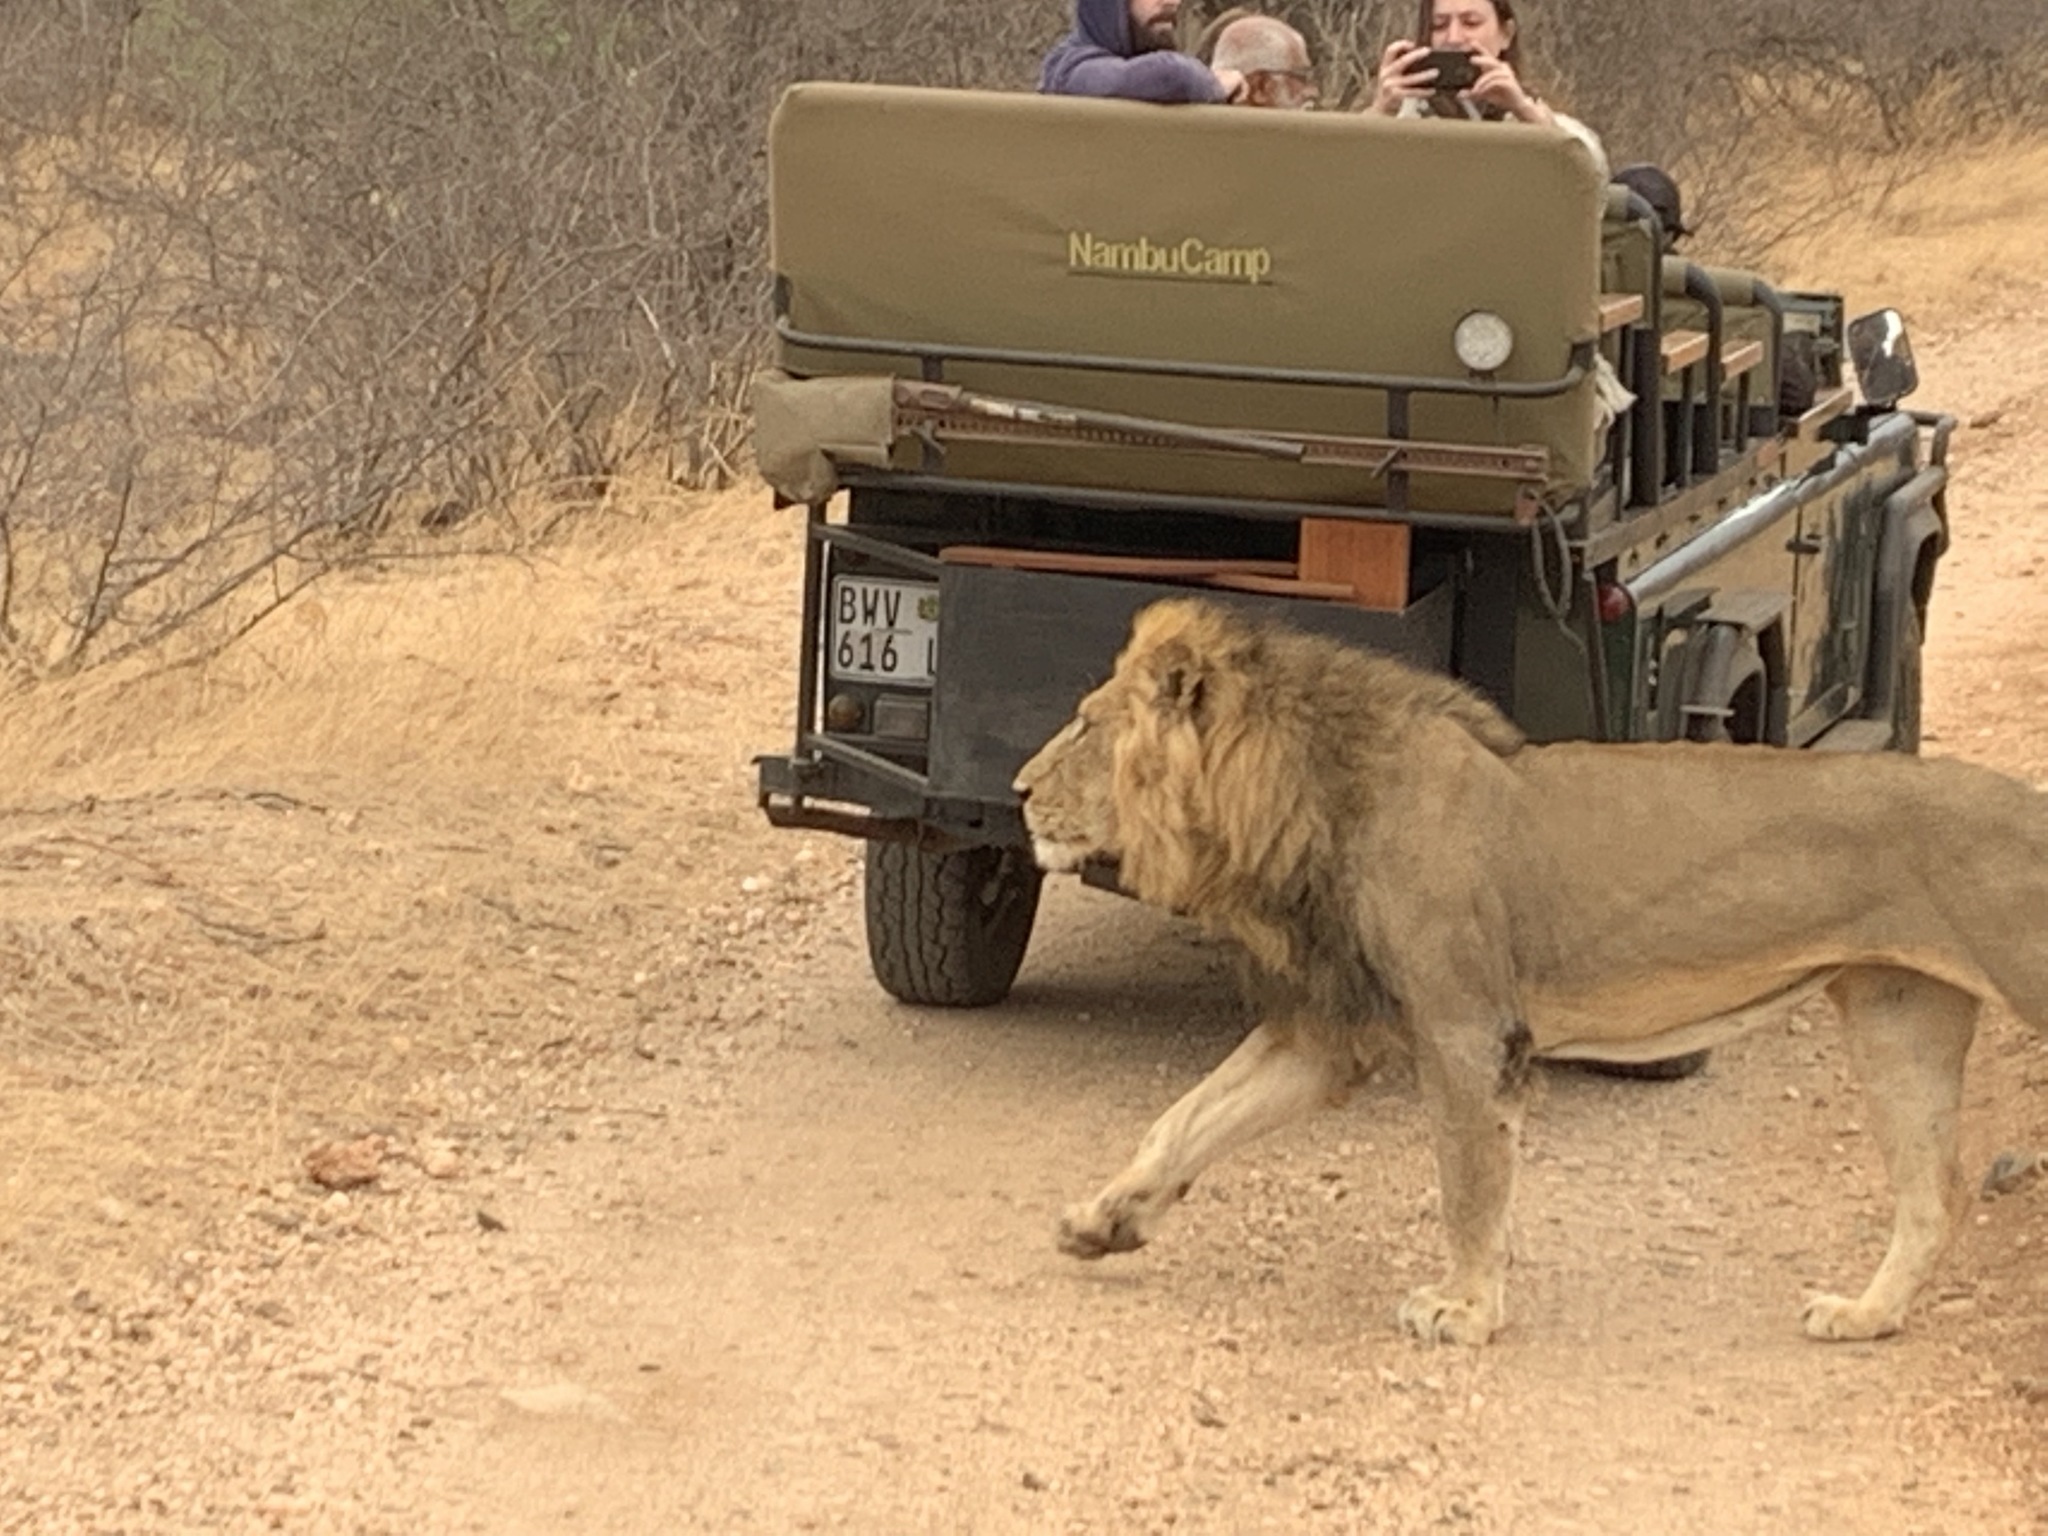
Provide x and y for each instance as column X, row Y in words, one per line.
column 949, row 930
column 1906, row 686
column 1739, row 716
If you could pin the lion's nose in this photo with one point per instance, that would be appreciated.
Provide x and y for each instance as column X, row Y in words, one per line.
column 1021, row 790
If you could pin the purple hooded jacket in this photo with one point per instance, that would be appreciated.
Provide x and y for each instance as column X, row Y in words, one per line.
column 1097, row 59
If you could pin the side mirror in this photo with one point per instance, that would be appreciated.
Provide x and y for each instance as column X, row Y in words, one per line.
column 1883, row 358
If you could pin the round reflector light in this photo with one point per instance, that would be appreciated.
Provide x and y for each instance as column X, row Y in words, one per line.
column 1484, row 341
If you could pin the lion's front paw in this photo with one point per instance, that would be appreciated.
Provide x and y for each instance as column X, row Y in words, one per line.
column 1839, row 1318
column 1093, row 1231
column 1438, row 1317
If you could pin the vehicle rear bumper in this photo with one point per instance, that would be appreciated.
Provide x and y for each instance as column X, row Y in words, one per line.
column 1017, row 651
column 823, row 791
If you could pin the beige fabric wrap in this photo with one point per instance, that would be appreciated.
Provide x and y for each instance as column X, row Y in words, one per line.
column 803, row 428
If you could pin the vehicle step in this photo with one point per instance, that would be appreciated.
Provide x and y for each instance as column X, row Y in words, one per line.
column 1855, row 736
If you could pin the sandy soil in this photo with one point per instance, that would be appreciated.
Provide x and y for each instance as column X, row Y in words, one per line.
column 678, row 1224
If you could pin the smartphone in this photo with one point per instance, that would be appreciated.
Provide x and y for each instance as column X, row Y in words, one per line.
column 1456, row 70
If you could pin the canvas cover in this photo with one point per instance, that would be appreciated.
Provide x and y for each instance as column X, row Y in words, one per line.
column 1215, row 235
column 805, row 429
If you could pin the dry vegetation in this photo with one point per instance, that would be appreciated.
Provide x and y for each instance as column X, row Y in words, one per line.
column 428, row 817
column 285, row 283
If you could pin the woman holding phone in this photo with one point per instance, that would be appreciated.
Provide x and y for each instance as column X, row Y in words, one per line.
column 1424, row 79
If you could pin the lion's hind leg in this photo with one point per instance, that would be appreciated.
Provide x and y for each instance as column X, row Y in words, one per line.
column 1280, row 1073
column 1908, row 1036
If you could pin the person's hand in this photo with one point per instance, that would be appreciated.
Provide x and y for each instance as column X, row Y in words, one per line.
column 1401, row 77
column 1499, row 87
column 1234, row 84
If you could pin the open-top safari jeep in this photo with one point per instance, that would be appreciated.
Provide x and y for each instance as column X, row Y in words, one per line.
column 1069, row 356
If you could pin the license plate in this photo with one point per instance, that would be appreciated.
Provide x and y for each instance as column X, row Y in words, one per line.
column 884, row 631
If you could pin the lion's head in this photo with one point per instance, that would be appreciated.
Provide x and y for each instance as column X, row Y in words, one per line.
column 1223, row 758
column 1065, row 788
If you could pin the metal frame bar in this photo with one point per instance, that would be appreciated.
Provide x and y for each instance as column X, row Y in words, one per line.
column 813, row 616
column 818, row 535
column 914, row 561
column 867, row 762
column 1382, row 456
column 932, row 354
column 1652, row 584
column 1706, row 443
column 857, row 478
column 1646, row 433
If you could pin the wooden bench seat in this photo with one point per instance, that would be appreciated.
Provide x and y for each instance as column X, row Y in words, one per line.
column 1619, row 309
column 1684, row 349
column 1830, row 405
column 1740, row 358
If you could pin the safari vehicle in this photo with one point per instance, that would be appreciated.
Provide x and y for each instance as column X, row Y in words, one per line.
column 1067, row 357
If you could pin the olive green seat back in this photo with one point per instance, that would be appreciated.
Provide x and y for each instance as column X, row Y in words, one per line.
column 1742, row 319
column 1630, row 260
column 1199, row 235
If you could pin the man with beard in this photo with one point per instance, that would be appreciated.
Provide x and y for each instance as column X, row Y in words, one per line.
column 1125, row 48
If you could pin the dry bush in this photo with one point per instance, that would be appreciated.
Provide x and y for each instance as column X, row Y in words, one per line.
column 288, row 277
column 1736, row 94
column 1729, row 92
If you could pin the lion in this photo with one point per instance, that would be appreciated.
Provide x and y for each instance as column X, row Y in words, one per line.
column 1401, row 868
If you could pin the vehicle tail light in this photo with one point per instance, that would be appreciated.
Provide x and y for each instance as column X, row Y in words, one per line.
column 844, row 712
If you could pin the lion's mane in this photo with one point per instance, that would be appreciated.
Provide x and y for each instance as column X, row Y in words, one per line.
column 1241, row 757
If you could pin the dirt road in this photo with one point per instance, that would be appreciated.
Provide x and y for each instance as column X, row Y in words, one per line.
column 679, row 1225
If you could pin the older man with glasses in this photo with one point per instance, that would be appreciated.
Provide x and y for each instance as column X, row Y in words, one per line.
column 1273, row 59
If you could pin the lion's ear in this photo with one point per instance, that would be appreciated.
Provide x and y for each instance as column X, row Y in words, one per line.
column 1179, row 679
column 1178, row 653
column 1181, row 690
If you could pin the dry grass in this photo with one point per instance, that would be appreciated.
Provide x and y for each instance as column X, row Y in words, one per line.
column 1942, row 236
column 434, row 814
column 413, row 670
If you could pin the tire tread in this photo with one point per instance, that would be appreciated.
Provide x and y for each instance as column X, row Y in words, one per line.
column 929, row 940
